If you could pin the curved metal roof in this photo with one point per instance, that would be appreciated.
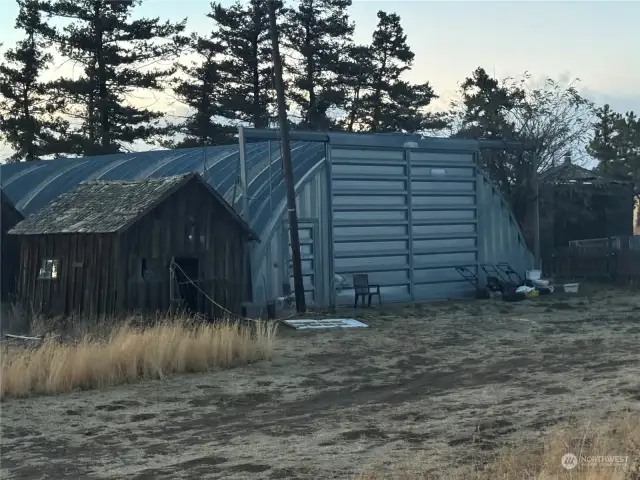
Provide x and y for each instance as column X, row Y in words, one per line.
column 32, row 185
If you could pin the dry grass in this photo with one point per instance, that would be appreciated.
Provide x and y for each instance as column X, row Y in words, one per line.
column 129, row 353
column 542, row 461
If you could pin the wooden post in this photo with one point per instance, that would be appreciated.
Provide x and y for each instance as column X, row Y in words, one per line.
column 286, row 162
column 172, row 288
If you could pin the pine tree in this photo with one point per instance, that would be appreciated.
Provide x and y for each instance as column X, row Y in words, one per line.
column 356, row 78
column 485, row 106
column 484, row 111
column 611, row 135
column 379, row 100
column 118, row 55
column 246, row 70
column 27, row 121
column 616, row 144
column 405, row 111
column 318, row 31
column 200, row 88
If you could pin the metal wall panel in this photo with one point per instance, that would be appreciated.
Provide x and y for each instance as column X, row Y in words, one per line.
column 500, row 236
column 408, row 217
column 444, row 222
column 271, row 258
column 371, row 230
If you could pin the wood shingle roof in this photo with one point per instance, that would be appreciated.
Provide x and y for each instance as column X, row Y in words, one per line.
column 108, row 206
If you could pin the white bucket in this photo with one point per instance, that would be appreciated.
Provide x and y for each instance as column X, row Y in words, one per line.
column 540, row 282
column 532, row 274
column 571, row 287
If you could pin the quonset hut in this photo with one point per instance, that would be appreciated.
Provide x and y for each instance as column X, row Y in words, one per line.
column 404, row 209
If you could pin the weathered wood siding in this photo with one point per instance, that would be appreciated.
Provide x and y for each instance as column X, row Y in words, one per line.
column 86, row 280
column 9, row 248
column 101, row 274
column 218, row 243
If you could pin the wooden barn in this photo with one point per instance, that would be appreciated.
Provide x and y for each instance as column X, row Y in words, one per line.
column 110, row 247
column 9, row 247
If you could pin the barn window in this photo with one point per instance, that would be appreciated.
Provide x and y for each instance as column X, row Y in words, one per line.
column 49, row 269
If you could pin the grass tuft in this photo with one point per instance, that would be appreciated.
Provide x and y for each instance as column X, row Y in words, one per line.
column 130, row 353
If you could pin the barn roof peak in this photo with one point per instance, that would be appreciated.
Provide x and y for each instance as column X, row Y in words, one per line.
column 109, row 206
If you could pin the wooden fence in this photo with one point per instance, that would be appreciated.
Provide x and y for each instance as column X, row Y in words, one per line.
column 593, row 264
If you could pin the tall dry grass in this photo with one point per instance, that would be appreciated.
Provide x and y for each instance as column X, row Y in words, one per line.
column 540, row 461
column 129, row 353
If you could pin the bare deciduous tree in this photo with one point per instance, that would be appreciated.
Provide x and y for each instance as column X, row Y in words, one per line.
column 553, row 117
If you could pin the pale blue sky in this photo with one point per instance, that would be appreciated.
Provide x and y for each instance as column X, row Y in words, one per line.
column 595, row 41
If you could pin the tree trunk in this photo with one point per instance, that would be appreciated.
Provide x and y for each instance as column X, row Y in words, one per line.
column 354, row 109
column 103, row 101
column 375, row 121
column 311, row 119
column 258, row 114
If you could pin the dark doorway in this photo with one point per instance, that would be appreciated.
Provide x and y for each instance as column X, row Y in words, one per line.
column 187, row 273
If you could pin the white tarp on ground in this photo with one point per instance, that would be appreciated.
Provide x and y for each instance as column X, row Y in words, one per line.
column 302, row 324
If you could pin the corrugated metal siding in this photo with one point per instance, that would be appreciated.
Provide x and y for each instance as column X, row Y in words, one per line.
column 405, row 216
column 500, row 236
column 444, row 222
column 33, row 186
column 271, row 258
column 371, row 218
column 408, row 217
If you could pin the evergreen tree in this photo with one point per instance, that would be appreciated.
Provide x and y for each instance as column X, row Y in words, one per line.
column 318, row 31
column 616, row 144
column 484, row 111
column 486, row 104
column 378, row 99
column 27, row 121
column 200, row 88
column 405, row 110
column 356, row 78
column 246, row 70
column 390, row 56
column 117, row 55
column 604, row 144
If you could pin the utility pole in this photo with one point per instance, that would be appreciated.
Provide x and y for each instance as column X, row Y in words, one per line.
column 286, row 161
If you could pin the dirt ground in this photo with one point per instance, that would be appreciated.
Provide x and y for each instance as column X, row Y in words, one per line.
column 453, row 381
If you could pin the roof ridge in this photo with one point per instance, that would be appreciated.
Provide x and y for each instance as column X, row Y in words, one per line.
column 90, row 208
column 138, row 180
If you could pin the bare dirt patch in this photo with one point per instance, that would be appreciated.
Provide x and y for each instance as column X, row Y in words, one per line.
column 457, row 380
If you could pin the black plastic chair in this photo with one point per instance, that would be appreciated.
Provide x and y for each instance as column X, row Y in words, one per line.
column 363, row 288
